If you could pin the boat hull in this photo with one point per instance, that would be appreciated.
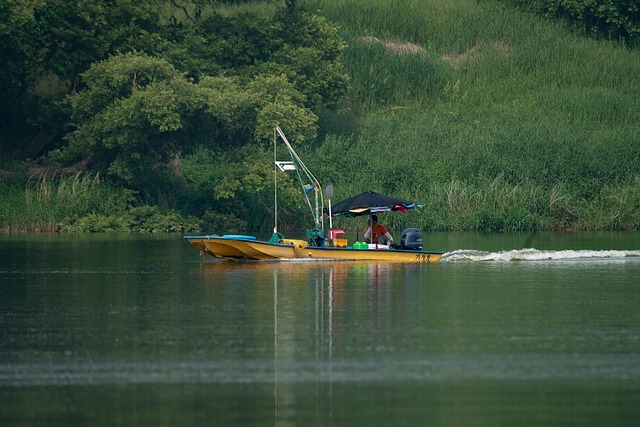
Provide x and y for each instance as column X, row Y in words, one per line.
column 238, row 249
column 231, row 249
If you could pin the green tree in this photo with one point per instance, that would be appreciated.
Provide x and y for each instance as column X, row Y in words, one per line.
column 128, row 117
column 615, row 19
column 48, row 44
column 17, row 21
column 148, row 83
column 138, row 113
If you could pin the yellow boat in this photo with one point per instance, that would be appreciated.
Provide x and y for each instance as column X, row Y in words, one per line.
column 248, row 248
column 333, row 246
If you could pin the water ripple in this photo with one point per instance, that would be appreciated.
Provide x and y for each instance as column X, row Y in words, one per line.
column 541, row 255
column 437, row 368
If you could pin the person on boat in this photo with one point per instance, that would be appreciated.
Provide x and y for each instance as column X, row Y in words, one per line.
column 380, row 235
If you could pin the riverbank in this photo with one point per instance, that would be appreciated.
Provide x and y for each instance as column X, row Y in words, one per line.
column 84, row 203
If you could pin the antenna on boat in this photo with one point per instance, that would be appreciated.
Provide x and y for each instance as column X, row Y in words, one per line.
column 312, row 183
column 275, row 183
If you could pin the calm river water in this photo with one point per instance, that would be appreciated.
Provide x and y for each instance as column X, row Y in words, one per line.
column 510, row 329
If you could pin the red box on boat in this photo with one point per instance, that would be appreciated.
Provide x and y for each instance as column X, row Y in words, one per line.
column 338, row 237
column 336, row 233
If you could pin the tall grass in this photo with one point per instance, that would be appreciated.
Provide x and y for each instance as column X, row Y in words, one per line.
column 47, row 204
column 83, row 202
column 497, row 120
column 493, row 118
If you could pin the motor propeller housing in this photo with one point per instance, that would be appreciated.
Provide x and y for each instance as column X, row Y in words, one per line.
column 411, row 239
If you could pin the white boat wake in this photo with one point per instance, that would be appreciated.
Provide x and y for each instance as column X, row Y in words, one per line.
column 531, row 254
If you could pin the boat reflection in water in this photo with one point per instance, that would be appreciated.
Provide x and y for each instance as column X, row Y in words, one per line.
column 314, row 308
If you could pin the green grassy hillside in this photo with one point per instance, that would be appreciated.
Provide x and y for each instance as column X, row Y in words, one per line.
column 495, row 119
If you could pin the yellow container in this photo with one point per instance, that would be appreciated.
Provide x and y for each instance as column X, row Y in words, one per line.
column 340, row 243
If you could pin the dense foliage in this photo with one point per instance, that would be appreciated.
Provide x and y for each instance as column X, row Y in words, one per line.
column 614, row 19
column 130, row 89
column 493, row 117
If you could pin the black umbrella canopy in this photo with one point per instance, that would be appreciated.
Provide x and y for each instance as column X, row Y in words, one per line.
column 370, row 202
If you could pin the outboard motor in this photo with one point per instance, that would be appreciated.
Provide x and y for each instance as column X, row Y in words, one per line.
column 411, row 239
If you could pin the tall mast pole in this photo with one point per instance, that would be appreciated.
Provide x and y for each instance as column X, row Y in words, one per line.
column 275, row 184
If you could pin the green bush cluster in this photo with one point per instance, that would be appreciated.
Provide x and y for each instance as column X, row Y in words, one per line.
column 144, row 219
column 614, row 19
